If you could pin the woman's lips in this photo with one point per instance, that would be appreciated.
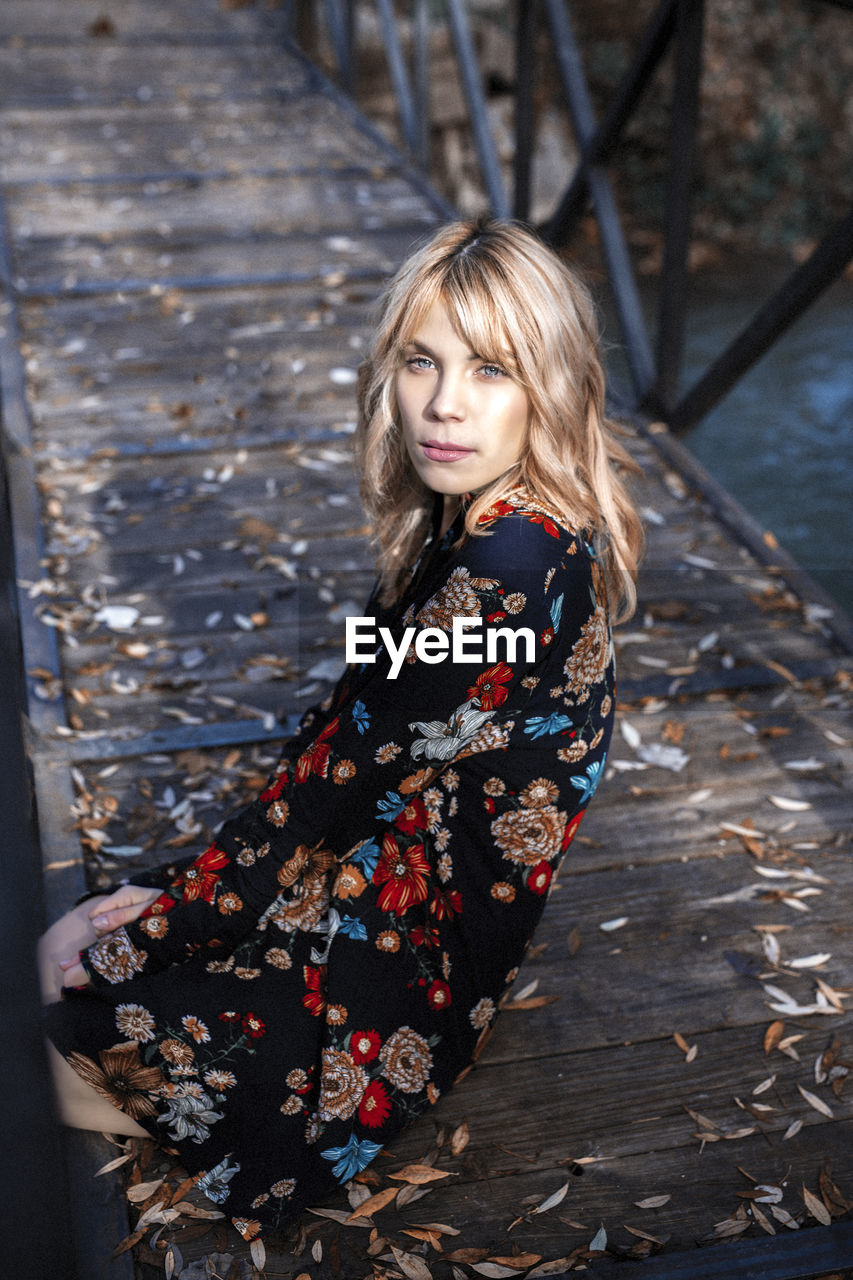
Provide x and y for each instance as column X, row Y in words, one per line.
column 437, row 452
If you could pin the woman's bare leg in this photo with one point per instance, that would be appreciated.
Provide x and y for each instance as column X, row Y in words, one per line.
column 80, row 1106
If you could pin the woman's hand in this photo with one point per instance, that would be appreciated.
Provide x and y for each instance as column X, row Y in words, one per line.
column 105, row 915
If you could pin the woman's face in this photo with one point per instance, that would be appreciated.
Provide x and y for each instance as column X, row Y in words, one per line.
column 464, row 418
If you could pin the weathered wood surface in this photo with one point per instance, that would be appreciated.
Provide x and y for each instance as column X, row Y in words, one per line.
column 197, row 231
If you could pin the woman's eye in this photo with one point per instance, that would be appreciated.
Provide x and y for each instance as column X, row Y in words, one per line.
column 418, row 362
column 493, row 371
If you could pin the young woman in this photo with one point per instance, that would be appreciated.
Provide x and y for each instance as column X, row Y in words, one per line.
column 279, row 1006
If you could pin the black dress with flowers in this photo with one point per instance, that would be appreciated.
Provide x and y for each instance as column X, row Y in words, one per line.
column 315, row 979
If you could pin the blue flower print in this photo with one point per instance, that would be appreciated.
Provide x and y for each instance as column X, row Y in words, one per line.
column 353, row 928
column 538, row 726
column 588, row 784
column 390, row 807
column 352, row 1158
column 556, row 612
column 367, row 856
column 361, row 716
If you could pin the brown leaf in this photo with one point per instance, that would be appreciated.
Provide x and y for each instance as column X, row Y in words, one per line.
column 421, row 1233
column 832, row 1197
column 532, row 1002
column 259, row 1254
column 374, row 1203
column 460, row 1138
column 816, row 1207
column 468, row 1256
column 680, row 1041
column 128, row 1242
column 522, row 1260
column 644, row 1235
column 418, row 1173
column 653, row 1202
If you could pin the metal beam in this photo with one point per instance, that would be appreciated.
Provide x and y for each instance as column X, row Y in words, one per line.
column 798, row 292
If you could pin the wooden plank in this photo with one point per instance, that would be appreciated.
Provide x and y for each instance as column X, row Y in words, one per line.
column 162, row 140
column 74, row 73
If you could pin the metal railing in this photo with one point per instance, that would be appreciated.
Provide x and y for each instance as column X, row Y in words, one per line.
column 655, row 367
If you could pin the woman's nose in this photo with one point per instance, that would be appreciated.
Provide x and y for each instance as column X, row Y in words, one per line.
column 448, row 401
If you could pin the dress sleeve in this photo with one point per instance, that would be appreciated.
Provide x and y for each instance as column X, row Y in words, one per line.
column 526, row 578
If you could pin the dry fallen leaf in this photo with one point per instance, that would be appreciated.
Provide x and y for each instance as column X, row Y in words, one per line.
column 459, row 1139
column 816, row 1207
column 419, row 1173
column 374, row 1203
column 412, row 1267
column 653, row 1202
column 773, row 1035
column 817, row 1103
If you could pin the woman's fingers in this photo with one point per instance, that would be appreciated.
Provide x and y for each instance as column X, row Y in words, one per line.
column 121, row 907
column 73, row 973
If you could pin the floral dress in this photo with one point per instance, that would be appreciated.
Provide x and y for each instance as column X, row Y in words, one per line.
column 321, row 974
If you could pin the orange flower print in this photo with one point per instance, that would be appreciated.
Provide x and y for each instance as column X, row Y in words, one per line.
column 315, row 759
column 229, row 902
column 200, row 879
column 388, row 940
column 343, row 771
column 488, row 687
column 247, row 1227
column 350, row 882
column 403, row 872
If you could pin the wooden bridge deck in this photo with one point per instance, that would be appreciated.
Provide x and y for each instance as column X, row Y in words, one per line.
column 196, row 226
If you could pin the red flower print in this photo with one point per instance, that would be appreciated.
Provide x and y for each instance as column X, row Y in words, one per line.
column 364, row 1046
column 413, row 817
column 229, row 1016
column 403, row 872
column 315, row 995
column 488, row 686
column 571, row 828
column 159, row 907
column 253, row 1026
column 275, row 788
column 539, row 877
column 375, row 1105
column 496, row 617
column 439, row 995
column 547, row 525
column 446, row 903
column 315, row 759
column 547, row 636
column 424, row 937
column 200, row 880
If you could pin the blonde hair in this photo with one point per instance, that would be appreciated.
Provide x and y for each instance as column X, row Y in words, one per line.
column 514, row 302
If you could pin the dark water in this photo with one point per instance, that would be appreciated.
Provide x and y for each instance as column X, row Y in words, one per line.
column 782, row 440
